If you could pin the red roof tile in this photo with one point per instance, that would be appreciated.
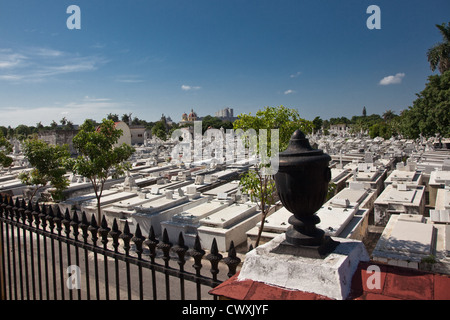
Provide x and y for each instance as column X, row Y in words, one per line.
column 392, row 283
column 441, row 287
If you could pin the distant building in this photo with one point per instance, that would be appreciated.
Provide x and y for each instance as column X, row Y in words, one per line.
column 137, row 134
column 339, row 128
column 191, row 117
column 225, row 114
column 59, row 138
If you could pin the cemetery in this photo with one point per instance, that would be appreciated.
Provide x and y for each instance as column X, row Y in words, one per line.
column 402, row 207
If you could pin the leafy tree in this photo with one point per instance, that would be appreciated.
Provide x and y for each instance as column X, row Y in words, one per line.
column 339, row 120
column 317, row 123
column 49, row 166
column 39, row 126
column 380, row 129
column 99, row 156
column 3, row 131
column 364, row 123
column 364, row 112
column 22, row 131
column 430, row 111
column 259, row 185
column 214, row 122
column 114, row 117
column 69, row 125
column 160, row 130
column 439, row 55
column 5, row 149
column 125, row 118
column 389, row 115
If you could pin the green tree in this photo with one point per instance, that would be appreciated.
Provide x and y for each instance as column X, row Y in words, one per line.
column 317, row 123
column 260, row 186
column 126, row 118
column 430, row 111
column 114, row 117
column 5, row 149
column 159, row 130
column 22, row 131
column 99, row 156
column 380, row 129
column 39, row 126
column 49, row 166
column 439, row 55
column 389, row 115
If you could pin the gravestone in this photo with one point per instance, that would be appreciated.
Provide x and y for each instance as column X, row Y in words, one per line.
column 222, row 196
column 154, row 190
column 199, row 180
column 411, row 237
column 169, row 194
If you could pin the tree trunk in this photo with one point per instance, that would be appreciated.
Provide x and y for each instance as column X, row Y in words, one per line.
column 263, row 219
column 261, row 227
column 99, row 211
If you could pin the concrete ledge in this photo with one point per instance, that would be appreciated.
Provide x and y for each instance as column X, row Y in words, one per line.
column 330, row 277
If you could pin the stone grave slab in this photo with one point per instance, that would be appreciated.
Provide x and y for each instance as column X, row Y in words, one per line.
column 353, row 195
column 403, row 196
column 228, row 216
column 334, row 220
column 411, row 237
column 278, row 221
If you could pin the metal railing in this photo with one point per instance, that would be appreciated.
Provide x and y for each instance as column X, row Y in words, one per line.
column 46, row 254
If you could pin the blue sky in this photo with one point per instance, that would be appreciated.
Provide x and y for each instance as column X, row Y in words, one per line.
column 166, row 56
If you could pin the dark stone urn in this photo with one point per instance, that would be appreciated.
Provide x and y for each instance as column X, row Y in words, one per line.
column 302, row 185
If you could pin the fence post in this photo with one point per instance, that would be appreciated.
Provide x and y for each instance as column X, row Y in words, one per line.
column 2, row 280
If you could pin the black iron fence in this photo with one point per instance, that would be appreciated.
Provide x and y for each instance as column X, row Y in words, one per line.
column 46, row 254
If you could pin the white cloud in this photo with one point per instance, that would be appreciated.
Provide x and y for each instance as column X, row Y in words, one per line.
column 188, row 88
column 76, row 111
column 39, row 64
column 289, row 91
column 392, row 79
column 46, row 52
column 295, row 75
column 12, row 60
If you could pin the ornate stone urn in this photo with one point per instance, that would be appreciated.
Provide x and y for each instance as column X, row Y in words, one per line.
column 302, row 185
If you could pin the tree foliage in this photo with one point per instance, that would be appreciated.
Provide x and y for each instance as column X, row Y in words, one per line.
column 430, row 113
column 5, row 149
column 49, row 166
column 261, row 187
column 99, row 156
column 439, row 55
column 215, row 123
column 160, row 130
column 285, row 119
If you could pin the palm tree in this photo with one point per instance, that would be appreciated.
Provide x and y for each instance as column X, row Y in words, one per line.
column 388, row 115
column 439, row 54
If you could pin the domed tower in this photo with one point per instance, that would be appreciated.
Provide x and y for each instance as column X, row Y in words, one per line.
column 192, row 116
